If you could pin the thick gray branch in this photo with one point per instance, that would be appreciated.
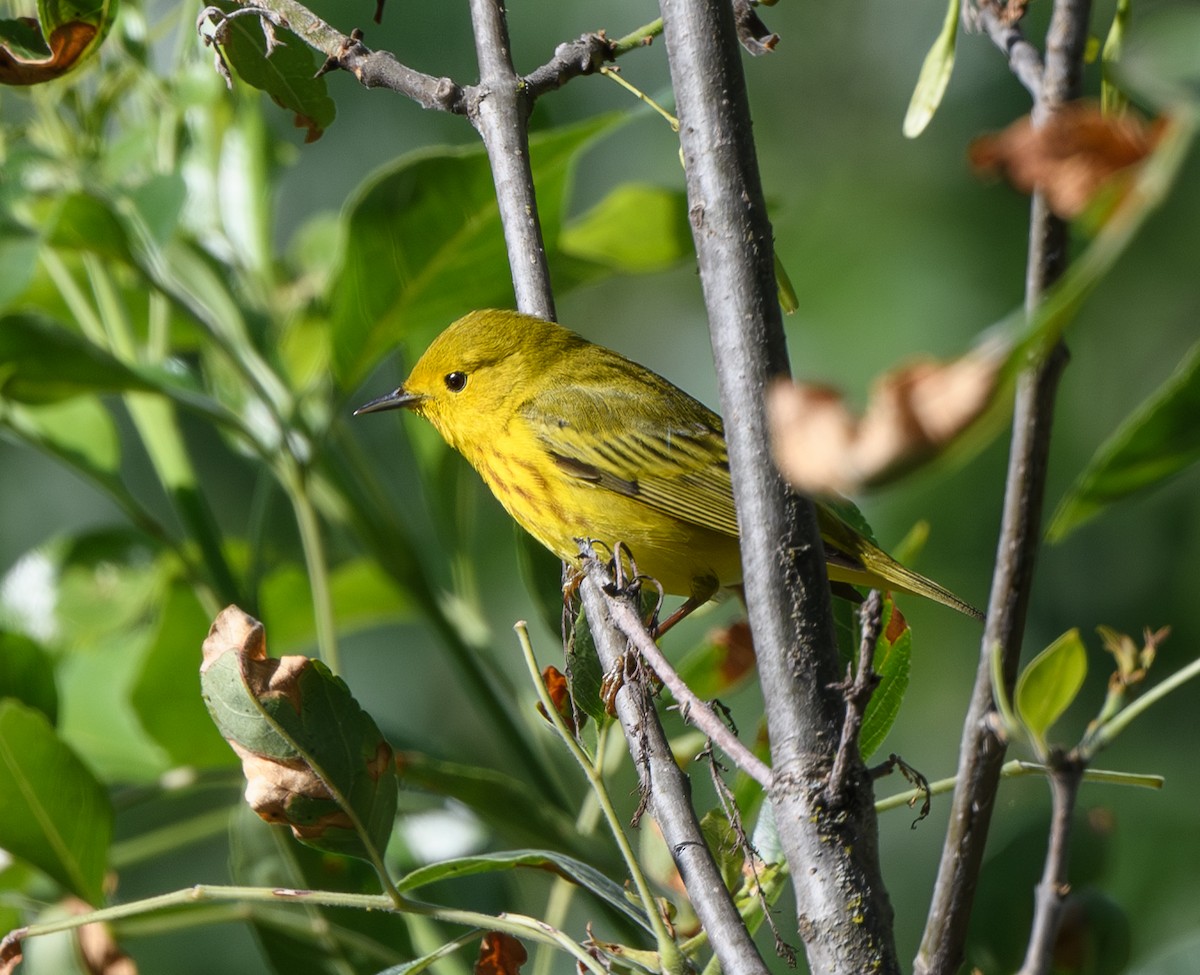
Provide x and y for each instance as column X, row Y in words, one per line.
column 669, row 792
column 980, row 754
column 845, row 917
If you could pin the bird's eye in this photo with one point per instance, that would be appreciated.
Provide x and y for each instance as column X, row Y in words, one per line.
column 455, row 381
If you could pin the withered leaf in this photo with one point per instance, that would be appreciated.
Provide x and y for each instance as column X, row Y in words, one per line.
column 500, row 954
column 1071, row 158
column 914, row 412
column 97, row 948
column 560, row 696
column 312, row 758
column 67, row 44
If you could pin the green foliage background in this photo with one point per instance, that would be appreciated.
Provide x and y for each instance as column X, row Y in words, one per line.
column 894, row 249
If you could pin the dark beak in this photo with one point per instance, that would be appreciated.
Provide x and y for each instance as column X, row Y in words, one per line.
column 395, row 400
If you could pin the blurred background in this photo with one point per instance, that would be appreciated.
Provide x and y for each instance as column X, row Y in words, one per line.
column 895, row 250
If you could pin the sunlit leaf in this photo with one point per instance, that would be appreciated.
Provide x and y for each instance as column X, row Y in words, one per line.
column 1049, row 684
column 423, row 245
column 1112, row 98
column 934, row 77
column 635, row 229
column 53, row 812
column 1159, row 440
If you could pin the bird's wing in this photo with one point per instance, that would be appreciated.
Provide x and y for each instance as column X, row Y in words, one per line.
column 643, row 439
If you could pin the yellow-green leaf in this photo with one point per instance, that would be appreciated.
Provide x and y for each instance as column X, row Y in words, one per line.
column 934, row 77
column 1049, row 684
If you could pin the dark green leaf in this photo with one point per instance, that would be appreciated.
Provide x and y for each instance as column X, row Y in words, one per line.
column 81, row 221
column 541, row 572
column 288, row 75
column 1158, row 441
column 18, row 258
column 53, row 812
column 423, row 245
column 41, row 362
column 893, row 659
column 27, row 674
column 1049, row 684
column 1160, row 62
column 584, row 672
column 570, row 869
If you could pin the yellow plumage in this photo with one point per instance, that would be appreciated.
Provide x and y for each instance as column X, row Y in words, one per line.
column 576, row 441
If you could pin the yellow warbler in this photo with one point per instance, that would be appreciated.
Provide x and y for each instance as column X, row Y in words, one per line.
column 576, row 441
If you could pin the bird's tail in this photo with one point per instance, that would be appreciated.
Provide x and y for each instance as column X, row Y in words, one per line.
column 854, row 559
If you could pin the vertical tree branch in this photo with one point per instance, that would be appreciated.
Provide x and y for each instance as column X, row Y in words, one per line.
column 845, row 917
column 1065, row 775
column 499, row 109
column 980, row 754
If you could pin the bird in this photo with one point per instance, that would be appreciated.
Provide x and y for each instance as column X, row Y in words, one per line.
column 578, row 442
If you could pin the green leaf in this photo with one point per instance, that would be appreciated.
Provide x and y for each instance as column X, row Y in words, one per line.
column 18, row 260
column 723, row 842
column 892, row 662
column 1159, row 440
column 1049, row 684
column 53, row 812
column 935, row 75
column 1159, row 60
column 288, row 74
column 295, row 716
column 164, row 694
column 41, row 362
column 566, row 867
column 1112, row 99
column 79, row 431
column 71, row 32
column 27, row 674
column 363, row 596
column 635, row 229
column 423, row 245
column 584, row 672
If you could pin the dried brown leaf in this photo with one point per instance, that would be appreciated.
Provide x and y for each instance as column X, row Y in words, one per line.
column 97, row 947
column 1078, row 152
column 914, row 412
column 500, row 954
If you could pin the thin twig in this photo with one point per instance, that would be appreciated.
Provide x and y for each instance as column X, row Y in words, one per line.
column 625, row 615
column 1024, row 59
column 1066, row 772
column 980, row 754
column 858, row 687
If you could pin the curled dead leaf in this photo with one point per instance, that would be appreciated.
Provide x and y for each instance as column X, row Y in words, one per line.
column 500, row 954
column 10, row 950
column 913, row 414
column 560, row 696
column 1075, row 155
column 67, row 44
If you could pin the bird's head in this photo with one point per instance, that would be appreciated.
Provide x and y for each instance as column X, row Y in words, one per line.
column 477, row 372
